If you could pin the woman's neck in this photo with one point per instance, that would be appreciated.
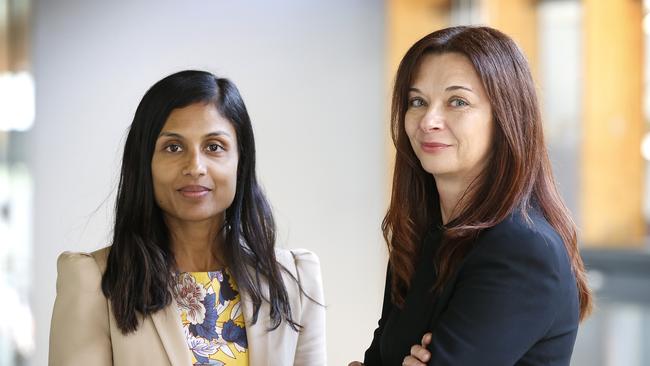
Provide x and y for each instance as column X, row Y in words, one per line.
column 450, row 192
column 196, row 245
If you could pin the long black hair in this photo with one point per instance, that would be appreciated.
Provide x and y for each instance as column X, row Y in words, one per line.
column 138, row 277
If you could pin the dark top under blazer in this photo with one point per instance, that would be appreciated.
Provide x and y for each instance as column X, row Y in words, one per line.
column 513, row 301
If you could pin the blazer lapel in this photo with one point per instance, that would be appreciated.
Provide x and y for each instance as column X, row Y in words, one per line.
column 257, row 335
column 170, row 330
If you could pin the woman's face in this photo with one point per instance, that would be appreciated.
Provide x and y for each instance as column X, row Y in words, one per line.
column 449, row 117
column 194, row 165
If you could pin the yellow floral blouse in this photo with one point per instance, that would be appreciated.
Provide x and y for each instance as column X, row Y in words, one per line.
column 212, row 318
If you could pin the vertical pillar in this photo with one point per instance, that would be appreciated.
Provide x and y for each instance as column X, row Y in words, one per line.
column 612, row 166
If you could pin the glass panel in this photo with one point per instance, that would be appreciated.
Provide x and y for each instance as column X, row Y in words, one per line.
column 16, row 190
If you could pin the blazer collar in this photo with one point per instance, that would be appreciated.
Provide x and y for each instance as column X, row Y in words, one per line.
column 166, row 321
column 257, row 334
column 170, row 330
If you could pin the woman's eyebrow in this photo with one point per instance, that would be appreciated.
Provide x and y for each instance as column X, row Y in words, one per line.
column 170, row 134
column 179, row 136
column 449, row 88
column 217, row 133
column 414, row 89
column 456, row 87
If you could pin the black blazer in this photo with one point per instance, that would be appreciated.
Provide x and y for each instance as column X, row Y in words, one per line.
column 513, row 301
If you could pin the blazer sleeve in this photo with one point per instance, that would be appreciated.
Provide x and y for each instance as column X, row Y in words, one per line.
column 311, row 349
column 79, row 332
column 372, row 356
column 502, row 303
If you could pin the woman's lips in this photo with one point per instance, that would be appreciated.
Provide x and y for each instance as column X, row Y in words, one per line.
column 432, row 147
column 194, row 191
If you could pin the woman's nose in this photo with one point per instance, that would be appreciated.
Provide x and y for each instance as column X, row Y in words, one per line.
column 433, row 120
column 194, row 166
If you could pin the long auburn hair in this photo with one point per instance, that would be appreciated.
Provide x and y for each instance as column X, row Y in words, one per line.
column 138, row 275
column 518, row 174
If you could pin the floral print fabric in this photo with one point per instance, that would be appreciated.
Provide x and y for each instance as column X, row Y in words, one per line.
column 212, row 318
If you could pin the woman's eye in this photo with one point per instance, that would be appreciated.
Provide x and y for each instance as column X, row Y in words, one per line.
column 458, row 103
column 173, row 148
column 416, row 102
column 214, row 148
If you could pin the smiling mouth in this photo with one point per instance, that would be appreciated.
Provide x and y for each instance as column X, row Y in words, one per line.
column 433, row 146
column 194, row 191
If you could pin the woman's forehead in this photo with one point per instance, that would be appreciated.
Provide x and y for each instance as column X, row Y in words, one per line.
column 197, row 120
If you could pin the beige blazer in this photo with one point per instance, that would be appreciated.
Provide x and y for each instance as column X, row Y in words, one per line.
column 84, row 330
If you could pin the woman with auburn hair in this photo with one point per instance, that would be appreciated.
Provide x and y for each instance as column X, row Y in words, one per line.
column 192, row 276
column 484, row 267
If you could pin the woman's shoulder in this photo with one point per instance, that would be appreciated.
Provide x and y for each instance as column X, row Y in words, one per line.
column 523, row 229
column 299, row 258
column 304, row 266
column 81, row 271
column 526, row 237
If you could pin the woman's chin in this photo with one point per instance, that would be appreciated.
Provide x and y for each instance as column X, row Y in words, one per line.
column 437, row 169
column 196, row 216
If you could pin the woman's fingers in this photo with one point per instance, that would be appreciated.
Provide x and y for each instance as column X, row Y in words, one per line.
column 426, row 339
column 420, row 353
column 412, row 361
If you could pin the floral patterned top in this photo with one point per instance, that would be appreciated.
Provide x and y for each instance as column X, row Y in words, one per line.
column 211, row 314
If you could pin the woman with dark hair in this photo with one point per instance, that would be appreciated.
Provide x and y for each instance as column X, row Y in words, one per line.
column 192, row 276
column 484, row 267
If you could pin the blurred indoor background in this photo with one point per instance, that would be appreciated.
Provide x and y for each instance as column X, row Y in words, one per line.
column 316, row 78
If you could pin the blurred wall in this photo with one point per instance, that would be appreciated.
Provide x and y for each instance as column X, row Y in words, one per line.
column 312, row 76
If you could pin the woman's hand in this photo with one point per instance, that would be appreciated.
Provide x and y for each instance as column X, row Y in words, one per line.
column 355, row 363
column 419, row 354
